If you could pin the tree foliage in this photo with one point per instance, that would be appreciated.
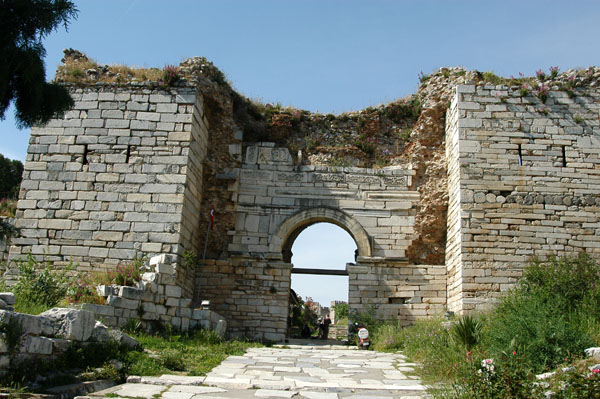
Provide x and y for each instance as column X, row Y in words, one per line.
column 11, row 173
column 22, row 74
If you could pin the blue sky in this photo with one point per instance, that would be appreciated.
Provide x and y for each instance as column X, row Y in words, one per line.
column 328, row 55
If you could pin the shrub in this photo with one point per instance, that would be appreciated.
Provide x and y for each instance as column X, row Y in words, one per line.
column 341, row 310
column 127, row 274
column 467, row 331
column 506, row 377
column 8, row 207
column 492, row 78
column 550, row 314
column 172, row 360
column 7, row 230
column 82, row 289
column 39, row 288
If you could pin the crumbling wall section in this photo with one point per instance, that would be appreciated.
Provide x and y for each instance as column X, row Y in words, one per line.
column 529, row 184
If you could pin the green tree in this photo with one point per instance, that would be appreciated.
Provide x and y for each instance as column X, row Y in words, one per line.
column 11, row 173
column 22, row 74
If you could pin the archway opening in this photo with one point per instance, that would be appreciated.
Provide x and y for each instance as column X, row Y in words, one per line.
column 319, row 254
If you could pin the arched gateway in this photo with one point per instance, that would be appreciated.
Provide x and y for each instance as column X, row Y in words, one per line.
column 294, row 225
column 276, row 200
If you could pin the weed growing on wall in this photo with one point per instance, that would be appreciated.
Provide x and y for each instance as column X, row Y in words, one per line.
column 170, row 75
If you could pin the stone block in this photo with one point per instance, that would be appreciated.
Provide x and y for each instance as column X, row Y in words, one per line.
column 71, row 324
column 100, row 332
column 163, row 258
column 123, row 338
column 164, row 268
column 184, row 312
column 99, row 310
column 36, row 345
column 124, row 303
column 172, row 302
column 131, row 293
column 173, row 291
column 8, row 298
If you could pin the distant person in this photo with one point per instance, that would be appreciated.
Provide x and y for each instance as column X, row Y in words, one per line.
column 305, row 333
column 321, row 327
column 326, row 323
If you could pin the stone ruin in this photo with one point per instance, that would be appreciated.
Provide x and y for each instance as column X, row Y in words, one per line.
column 485, row 177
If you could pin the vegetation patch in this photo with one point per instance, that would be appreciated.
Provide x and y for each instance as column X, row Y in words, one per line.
column 542, row 325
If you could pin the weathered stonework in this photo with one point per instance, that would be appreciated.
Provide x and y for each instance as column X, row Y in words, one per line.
column 524, row 181
column 119, row 177
column 134, row 169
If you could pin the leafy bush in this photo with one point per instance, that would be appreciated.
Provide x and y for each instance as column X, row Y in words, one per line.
column 542, row 324
column 467, row 331
column 170, row 75
column 171, row 359
column 7, row 230
column 127, row 274
column 551, row 314
column 427, row 342
column 341, row 310
column 577, row 382
column 39, row 288
column 82, row 289
column 506, row 377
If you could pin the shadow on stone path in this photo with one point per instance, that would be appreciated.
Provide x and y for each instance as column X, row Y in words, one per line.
column 323, row 371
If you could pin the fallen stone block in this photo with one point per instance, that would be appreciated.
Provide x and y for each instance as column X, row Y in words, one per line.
column 73, row 324
column 593, row 353
column 100, row 332
column 8, row 298
column 123, row 338
column 60, row 345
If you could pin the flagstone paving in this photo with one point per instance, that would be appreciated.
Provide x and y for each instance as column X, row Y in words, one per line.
column 295, row 371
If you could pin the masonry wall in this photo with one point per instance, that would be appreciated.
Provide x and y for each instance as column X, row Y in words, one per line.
column 396, row 291
column 271, row 188
column 117, row 177
column 252, row 294
column 529, row 185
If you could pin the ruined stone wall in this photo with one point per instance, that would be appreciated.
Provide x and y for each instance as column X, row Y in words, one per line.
column 525, row 181
column 118, row 177
column 396, row 291
column 252, row 294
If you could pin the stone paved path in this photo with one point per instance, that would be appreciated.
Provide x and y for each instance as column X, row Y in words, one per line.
column 311, row 372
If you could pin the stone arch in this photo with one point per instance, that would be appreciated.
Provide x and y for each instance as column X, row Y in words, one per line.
column 291, row 227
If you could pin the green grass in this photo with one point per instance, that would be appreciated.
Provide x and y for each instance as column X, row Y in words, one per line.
column 541, row 325
column 194, row 354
